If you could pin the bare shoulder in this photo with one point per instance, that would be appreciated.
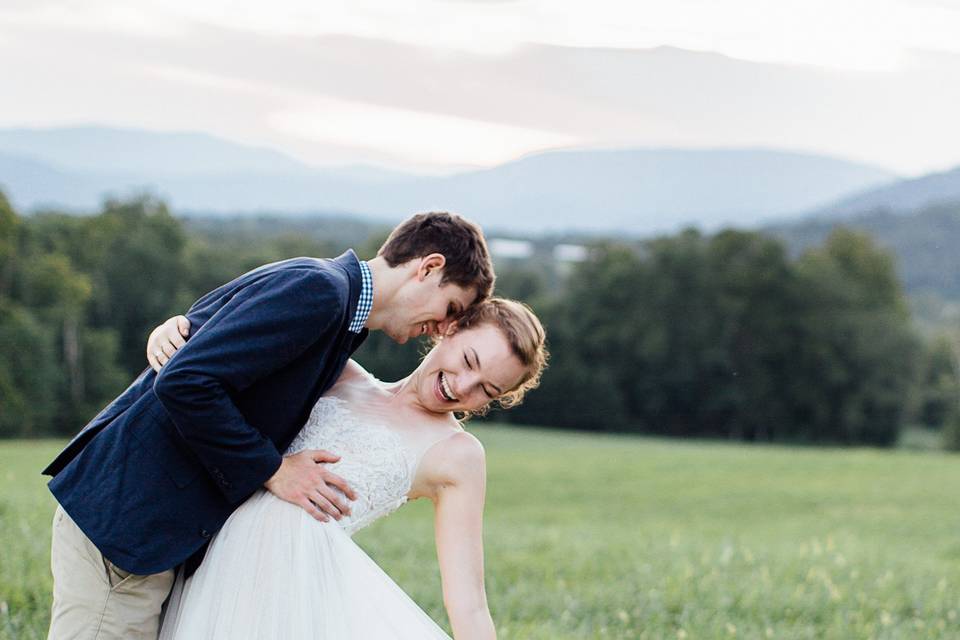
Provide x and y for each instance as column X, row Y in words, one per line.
column 352, row 375
column 459, row 459
column 353, row 371
column 463, row 448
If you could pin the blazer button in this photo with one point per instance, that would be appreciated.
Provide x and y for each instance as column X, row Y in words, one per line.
column 204, row 533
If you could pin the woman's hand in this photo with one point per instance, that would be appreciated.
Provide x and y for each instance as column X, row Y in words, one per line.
column 166, row 339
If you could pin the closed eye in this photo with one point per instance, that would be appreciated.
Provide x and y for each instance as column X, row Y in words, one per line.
column 470, row 366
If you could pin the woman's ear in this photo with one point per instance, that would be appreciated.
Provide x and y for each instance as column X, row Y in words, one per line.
column 452, row 328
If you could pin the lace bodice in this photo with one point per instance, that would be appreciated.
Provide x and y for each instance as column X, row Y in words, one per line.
column 374, row 460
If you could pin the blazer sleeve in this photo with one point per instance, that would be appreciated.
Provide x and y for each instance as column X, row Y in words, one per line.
column 264, row 326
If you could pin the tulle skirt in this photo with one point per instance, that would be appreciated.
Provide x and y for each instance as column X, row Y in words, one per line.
column 274, row 572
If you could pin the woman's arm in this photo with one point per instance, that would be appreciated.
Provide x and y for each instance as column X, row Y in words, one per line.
column 459, row 485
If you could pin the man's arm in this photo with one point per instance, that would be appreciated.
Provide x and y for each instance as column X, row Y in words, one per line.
column 301, row 478
column 263, row 327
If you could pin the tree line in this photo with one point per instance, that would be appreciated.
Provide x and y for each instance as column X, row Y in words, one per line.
column 689, row 335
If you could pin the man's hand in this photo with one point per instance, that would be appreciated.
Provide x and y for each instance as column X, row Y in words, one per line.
column 303, row 480
column 166, row 339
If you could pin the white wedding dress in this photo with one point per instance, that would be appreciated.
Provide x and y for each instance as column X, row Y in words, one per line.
column 273, row 571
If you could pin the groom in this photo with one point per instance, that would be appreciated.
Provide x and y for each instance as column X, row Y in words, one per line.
column 144, row 486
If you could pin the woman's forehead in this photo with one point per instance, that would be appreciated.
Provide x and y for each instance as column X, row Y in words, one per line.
column 486, row 337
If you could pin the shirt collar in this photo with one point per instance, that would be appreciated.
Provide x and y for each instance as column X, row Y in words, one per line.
column 365, row 304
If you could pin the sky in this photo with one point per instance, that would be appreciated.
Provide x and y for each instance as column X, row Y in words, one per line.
column 434, row 85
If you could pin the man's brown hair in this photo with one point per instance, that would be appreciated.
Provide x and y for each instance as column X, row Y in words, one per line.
column 459, row 240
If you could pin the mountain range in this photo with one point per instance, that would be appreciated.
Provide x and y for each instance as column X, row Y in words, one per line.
column 902, row 196
column 633, row 191
column 798, row 198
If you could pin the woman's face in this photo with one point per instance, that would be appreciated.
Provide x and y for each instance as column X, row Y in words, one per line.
column 467, row 370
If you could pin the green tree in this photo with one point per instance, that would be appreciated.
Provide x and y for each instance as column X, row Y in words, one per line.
column 588, row 340
column 28, row 375
column 57, row 294
column 139, row 279
column 9, row 235
column 724, row 336
column 857, row 350
column 938, row 384
column 754, row 298
column 951, row 433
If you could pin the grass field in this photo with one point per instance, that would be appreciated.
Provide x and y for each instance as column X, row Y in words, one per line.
column 617, row 537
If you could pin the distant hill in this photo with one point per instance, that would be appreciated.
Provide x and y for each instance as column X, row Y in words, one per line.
column 925, row 243
column 134, row 152
column 634, row 191
column 902, row 196
column 648, row 190
column 918, row 219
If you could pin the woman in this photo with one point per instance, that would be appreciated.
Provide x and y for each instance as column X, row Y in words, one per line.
column 273, row 571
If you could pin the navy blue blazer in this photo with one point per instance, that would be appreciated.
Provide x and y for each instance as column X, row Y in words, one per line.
column 152, row 477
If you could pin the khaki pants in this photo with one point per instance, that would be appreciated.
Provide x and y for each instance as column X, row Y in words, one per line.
column 95, row 600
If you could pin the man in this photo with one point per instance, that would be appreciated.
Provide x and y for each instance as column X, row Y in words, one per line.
column 144, row 486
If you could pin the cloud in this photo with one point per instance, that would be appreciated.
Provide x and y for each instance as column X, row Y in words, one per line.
column 403, row 134
column 99, row 16
column 273, row 89
column 854, row 34
column 413, row 135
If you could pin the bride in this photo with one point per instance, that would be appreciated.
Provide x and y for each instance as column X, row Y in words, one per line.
column 273, row 571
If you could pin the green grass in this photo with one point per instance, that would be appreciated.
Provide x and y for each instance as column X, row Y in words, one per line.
column 618, row 537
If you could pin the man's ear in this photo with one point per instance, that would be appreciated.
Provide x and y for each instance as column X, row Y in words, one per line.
column 432, row 263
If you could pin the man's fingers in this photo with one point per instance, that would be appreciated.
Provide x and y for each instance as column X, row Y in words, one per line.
column 340, row 483
column 326, row 505
column 335, row 499
column 161, row 357
column 319, row 455
column 310, row 508
column 183, row 324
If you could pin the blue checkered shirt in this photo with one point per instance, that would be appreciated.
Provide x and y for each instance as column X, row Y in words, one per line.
column 366, row 300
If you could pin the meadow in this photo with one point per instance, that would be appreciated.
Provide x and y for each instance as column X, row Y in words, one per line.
column 621, row 537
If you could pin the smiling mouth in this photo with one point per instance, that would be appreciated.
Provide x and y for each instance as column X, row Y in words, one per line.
column 445, row 390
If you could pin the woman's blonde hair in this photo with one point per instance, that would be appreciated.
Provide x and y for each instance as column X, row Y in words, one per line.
column 525, row 335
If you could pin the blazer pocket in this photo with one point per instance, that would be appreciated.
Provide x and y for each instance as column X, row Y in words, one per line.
column 166, row 447
column 179, row 462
